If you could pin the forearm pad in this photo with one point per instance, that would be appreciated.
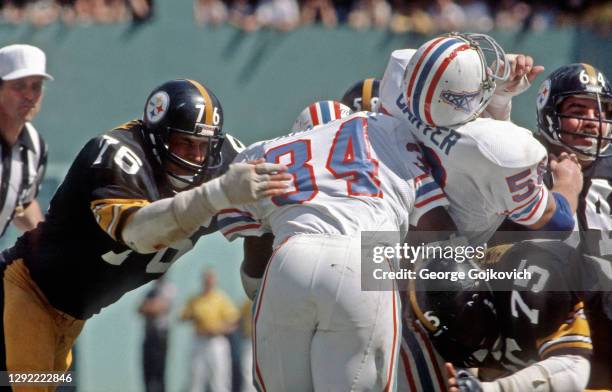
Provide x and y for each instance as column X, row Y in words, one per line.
column 566, row 373
column 163, row 222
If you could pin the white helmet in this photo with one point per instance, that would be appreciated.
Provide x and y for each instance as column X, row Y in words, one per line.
column 318, row 113
column 450, row 79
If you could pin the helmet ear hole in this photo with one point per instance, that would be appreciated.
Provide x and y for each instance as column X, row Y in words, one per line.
column 188, row 107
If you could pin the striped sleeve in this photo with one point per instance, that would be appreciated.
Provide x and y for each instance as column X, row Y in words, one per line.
column 572, row 337
column 526, row 196
column 111, row 214
column 234, row 223
column 428, row 195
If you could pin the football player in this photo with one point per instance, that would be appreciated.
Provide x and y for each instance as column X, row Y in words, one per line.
column 490, row 169
column 523, row 334
column 318, row 113
column 134, row 200
column 314, row 327
column 574, row 111
column 363, row 96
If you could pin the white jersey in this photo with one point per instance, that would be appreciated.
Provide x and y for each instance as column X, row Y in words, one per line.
column 357, row 174
column 489, row 169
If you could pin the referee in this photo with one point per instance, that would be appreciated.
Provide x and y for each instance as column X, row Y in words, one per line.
column 23, row 153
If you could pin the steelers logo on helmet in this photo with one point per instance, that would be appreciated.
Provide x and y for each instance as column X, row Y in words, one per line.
column 450, row 80
column 543, row 94
column 157, row 107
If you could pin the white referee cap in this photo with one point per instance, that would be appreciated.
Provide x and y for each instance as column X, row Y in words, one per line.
column 20, row 61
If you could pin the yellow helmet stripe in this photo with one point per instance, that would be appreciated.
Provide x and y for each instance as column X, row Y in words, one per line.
column 417, row 309
column 591, row 72
column 208, row 104
column 366, row 94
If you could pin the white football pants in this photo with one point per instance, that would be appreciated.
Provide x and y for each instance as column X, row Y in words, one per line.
column 315, row 329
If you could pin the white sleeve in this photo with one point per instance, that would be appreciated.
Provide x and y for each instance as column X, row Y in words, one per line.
column 563, row 373
column 523, row 193
column 391, row 83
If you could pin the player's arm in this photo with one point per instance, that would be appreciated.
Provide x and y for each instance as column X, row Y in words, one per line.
column 28, row 218
column 257, row 253
column 558, row 373
column 161, row 223
column 563, row 200
column 522, row 74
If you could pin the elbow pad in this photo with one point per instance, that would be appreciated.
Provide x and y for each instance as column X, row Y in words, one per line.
column 563, row 218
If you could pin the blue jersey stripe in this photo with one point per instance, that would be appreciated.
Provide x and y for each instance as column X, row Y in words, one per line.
column 325, row 116
column 424, row 189
column 230, row 221
column 426, row 70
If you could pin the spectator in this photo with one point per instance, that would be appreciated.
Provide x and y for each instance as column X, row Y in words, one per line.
column 368, row 13
column 213, row 316
column 282, row 15
column 210, row 12
column 319, row 10
column 155, row 308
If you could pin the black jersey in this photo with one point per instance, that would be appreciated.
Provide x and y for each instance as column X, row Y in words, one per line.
column 76, row 256
column 542, row 316
column 595, row 225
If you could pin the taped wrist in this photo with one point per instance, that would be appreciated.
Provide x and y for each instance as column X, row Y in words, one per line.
column 215, row 195
column 192, row 208
column 563, row 218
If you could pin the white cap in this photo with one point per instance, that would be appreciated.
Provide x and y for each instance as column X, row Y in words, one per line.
column 20, row 61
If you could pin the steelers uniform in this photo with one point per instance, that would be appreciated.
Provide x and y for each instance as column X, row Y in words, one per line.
column 595, row 225
column 542, row 316
column 537, row 319
column 75, row 262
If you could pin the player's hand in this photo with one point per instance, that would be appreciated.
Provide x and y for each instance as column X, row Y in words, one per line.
column 522, row 73
column 248, row 182
column 566, row 171
column 461, row 380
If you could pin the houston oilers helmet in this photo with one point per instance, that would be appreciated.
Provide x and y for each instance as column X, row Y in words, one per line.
column 188, row 107
column 319, row 113
column 363, row 96
column 450, row 80
column 459, row 316
column 582, row 81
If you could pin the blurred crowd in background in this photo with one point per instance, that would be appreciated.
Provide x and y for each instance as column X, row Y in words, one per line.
column 399, row 16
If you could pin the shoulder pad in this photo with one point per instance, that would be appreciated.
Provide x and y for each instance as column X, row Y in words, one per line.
column 391, row 83
column 504, row 143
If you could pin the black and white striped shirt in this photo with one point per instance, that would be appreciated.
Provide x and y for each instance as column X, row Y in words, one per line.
column 22, row 168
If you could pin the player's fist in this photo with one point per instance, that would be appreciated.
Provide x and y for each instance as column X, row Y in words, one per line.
column 248, row 182
column 566, row 171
